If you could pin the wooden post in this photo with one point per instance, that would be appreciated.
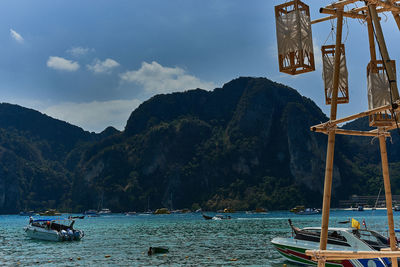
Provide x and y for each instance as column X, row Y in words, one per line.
column 388, row 195
column 396, row 17
column 382, row 47
column 371, row 39
column 331, row 140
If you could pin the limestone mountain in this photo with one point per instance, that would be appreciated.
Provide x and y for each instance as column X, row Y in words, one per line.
column 245, row 145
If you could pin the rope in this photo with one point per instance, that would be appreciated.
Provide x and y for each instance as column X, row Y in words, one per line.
column 330, row 127
column 331, row 33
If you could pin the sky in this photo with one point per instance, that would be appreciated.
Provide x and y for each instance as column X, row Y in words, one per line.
column 92, row 62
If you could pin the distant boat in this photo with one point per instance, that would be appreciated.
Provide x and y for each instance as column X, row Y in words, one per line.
column 221, row 217
column 217, row 217
column 130, row 213
column 297, row 209
column 104, row 211
column 360, row 208
column 27, row 213
column 91, row 213
column 397, row 208
column 229, row 210
column 76, row 217
column 53, row 230
column 51, row 212
column 162, row 211
column 207, row 217
column 308, row 211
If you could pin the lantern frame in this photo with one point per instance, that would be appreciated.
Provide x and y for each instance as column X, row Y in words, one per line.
column 383, row 118
column 300, row 60
column 343, row 86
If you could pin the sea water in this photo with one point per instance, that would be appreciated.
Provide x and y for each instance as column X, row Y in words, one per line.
column 119, row 240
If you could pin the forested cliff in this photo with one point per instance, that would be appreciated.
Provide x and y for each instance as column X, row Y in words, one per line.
column 245, row 145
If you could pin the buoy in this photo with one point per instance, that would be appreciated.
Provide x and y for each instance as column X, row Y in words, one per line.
column 187, row 257
column 233, row 259
column 79, row 258
column 284, row 265
column 70, row 259
column 107, row 256
column 165, row 255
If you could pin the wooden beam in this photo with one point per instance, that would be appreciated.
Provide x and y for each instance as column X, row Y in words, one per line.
column 349, row 255
column 385, row 55
column 371, row 39
column 341, row 4
column 365, row 8
column 351, row 132
column 323, row 19
column 396, row 17
column 356, row 116
column 387, row 128
column 331, row 140
column 386, row 4
column 345, row 14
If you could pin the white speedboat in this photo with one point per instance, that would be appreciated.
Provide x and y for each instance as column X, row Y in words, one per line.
column 104, row 211
column 349, row 239
column 53, row 230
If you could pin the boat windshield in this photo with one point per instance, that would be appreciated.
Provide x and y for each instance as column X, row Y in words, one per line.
column 334, row 237
column 372, row 238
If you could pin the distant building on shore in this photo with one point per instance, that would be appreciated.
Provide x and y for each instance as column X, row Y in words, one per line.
column 356, row 200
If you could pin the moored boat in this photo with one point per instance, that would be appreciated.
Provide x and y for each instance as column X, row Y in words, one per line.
column 297, row 209
column 339, row 239
column 207, row 217
column 162, row 211
column 27, row 213
column 308, row 211
column 51, row 212
column 91, row 213
column 53, row 230
column 104, row 211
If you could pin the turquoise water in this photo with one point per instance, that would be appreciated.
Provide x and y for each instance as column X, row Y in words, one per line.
column 192, row 241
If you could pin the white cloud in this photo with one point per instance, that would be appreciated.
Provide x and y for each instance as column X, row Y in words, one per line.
column 78, row 51
column 94, row 116
column 105, row 66
column 16, row 36
column 60, row 63
column 158, row 79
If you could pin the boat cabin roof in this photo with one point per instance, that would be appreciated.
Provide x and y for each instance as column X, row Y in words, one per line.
column 339, row 229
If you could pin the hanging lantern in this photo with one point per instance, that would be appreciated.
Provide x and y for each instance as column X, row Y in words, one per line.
column 328, row 62
column 379, row 92
column 293, row 30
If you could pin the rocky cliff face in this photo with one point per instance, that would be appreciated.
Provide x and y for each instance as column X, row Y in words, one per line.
column 245, row 145
column 216, row 148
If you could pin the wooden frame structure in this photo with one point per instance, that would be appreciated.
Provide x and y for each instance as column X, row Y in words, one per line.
column 368, row 12
column 298, row 59
column 382, row 118
column 328, row 51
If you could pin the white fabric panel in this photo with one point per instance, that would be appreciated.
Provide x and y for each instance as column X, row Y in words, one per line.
column 327, row 74
column 378, row 90
column 293, row 32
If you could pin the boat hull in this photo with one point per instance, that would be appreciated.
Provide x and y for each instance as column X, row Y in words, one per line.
column 52, row 235
column 43, row 234
column 294, row 251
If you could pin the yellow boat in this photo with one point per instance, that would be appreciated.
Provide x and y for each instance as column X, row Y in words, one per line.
column 162, row 211
column 51, row 212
